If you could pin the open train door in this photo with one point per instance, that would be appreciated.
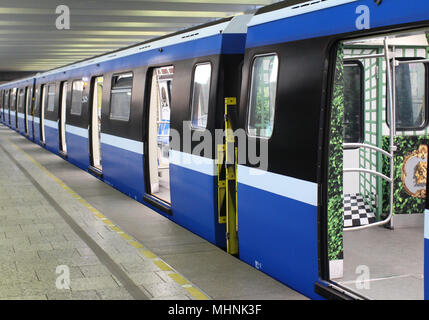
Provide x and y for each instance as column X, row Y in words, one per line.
column 375, row 230
column 158, row 127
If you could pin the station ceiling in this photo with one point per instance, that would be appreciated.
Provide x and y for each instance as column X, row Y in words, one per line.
column 30, row 40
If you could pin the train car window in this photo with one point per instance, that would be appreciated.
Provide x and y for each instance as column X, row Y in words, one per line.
column 6, row 99
column 263, row 91
column 120, row 100
column 36, row 103
column 77, row 95
column 29, row 101
column 411, row 97
column 21, row 100
column 353, row 102
column 200, row 95
column 51, row 97
column 13, row 99
column 42, row 114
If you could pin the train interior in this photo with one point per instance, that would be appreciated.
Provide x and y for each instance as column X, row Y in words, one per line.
column 375, row 208
column 159, row 133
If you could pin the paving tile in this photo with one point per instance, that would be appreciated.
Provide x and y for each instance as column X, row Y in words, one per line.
column 40, row 297
column 94, row 270
column 95, row 283
column 22, row 246
column 146, row 278
column 50, row 274
column 72, row 295
column 114, row 294
column 164, row 289
column 139, row 267
column 178, row 297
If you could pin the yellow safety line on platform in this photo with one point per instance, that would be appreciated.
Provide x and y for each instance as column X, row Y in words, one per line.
column 175, row 276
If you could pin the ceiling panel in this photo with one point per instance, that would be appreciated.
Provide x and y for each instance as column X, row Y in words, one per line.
column 29, row 39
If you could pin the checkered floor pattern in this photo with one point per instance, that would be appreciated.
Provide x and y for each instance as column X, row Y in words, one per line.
column 356, row 211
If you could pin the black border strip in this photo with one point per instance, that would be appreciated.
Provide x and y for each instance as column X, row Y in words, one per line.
column 157, row 204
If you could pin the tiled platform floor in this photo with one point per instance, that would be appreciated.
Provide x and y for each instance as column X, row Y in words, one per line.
column 44, row 224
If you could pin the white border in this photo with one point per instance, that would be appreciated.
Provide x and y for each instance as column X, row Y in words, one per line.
column 122, row 143
column 81, row 132
column 193, row 162
column 51, row 124
column 300, row 190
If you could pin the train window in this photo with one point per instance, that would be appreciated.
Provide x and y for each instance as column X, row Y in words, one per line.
column 200, row 95
column 411, row 97
column 263, row 91
column 353, row 102
column 51, row 97
column 120, row 100
column 77, row 95
column 6, row 99
column 21, row 100
column 13, row 99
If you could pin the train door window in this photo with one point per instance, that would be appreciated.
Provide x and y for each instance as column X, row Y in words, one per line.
column 353, row 102
column 7, row 103
column 120, row 101
column 1, row 103
column 51, row 98
column 263, row 91
column 158, row 165
column 200, row 95
column 77, row 95
column 95, row 134
column 20, row 104
column 35, row 111
column 411, row 96
column 28, row 107
column 13, row 105
column 63, row 109
column 42, row 114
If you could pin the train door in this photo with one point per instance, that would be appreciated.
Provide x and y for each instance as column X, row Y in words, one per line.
column 28, row 106
column 158, row 128
column 95, row 126
column 1, row 106
column 377, row 167
column 7, row 106
column 13, row 111
column 20, row 109
column 42, row 115
column 62, row 120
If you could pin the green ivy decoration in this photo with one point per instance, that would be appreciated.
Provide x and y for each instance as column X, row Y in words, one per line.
column 335, row 169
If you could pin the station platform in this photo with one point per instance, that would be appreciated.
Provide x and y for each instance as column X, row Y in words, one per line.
column 64, row 234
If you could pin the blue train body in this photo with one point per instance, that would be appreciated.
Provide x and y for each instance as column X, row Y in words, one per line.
column 277, row 214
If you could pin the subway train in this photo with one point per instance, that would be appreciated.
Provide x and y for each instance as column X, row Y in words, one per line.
column 314, row 85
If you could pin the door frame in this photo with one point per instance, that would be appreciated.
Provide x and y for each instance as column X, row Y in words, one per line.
column 92, row 167
column 148, row 196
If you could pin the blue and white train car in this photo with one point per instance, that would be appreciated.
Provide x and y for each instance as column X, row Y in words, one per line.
column 286, row 65
column 283, row 213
